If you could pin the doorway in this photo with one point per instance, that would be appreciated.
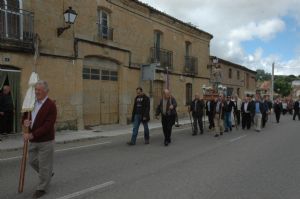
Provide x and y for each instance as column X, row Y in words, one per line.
column 10, row 76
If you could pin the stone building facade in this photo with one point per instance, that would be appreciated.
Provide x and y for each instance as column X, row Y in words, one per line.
column 94, row 66
column 238, row 79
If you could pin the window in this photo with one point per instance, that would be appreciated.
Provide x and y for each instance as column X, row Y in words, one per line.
column 105, row 75
column 113, row 75
column 86, row 73
column 238, row 74
column 189, row 93
column 105, row 32
column 95, row 74
column 10, row 19
column 229, row 73
column 98, row 74
column 187, row 48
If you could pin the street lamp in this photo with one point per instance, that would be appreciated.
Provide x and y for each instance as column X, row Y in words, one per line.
column 70, row 17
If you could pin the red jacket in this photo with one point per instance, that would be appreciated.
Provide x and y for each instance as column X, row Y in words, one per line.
column 43, row 126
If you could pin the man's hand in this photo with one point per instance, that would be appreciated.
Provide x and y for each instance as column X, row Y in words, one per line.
column 144, row 118
column 27, row 123
column 27, row 136
column 171, row 107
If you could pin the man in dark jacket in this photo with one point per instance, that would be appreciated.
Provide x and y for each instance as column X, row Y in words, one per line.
column 6, row 111
column 167, row 109
column 140, row 114
column 278, row 109
column 296, row 109
column 228, row 111
column 196, row 108
column 210, row 113
column 246, row 113
column 265, row 113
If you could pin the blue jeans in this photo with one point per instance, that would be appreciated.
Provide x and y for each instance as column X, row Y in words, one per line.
column 136, row 124
column 227, row 120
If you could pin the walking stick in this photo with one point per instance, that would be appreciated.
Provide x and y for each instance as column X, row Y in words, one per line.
column 23, row 162
column 191, row 122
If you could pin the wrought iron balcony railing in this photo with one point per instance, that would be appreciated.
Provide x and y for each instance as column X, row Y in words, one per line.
column 105, row 32
column 191, row 65
column 16, row 29
column 162, row 56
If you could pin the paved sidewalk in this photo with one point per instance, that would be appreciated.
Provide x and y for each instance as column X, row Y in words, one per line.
column 15, row 141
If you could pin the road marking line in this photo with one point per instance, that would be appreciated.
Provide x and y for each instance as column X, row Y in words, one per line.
column 84, row 146
column 84, row 191
column 60, row 150
column 238, row 138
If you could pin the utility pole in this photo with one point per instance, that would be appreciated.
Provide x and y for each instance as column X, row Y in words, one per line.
column 272, row 87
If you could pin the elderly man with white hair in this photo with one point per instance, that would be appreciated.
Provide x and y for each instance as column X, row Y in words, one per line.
column 41, row 136
column 167, row 109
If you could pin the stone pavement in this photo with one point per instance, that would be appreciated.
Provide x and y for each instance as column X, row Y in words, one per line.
column 15, row 141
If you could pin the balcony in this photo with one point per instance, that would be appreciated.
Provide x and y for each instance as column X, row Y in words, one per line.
column 191, row 65
column 162, row 56
column 16, row 29
column 105, row 32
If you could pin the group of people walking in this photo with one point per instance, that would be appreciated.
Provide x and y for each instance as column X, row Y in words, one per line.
column 223, row 112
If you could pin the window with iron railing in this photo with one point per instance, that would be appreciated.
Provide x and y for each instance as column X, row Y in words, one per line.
column 191, row 65
column 162, row 56
column 16, row 25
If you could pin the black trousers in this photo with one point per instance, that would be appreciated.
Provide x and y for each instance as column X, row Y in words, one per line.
column 264, row 119
column 198, row 121
column 296, row 113
column 211, row 120
column 238, row 116
column 6, row 122
column 246, row 120
column 277, row 114
column 167, row 123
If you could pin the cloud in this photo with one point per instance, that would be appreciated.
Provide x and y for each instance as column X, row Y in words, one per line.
column 233, row 22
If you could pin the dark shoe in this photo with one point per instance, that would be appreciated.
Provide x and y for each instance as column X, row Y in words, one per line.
column 130, row 143
column 221, row 133
column 52, row 174
column 194, row 134
column 38, row 193
column 147, row 142
column 230, row 129
column 217, row 135
column 201, row 132
column 166, row 143
column 226, row 131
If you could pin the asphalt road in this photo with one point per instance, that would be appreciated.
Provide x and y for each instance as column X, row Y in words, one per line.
column 238, row 165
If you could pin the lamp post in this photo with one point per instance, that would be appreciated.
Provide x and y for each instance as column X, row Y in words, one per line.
column 70, row 17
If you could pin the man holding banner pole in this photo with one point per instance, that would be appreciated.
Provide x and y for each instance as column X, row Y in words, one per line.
column 41, row 136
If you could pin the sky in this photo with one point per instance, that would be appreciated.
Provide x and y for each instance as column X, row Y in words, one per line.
column 253, row 33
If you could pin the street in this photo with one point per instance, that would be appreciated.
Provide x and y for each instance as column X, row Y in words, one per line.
column 238, row 165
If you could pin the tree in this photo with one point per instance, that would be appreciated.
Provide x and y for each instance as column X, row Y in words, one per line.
column 261, row 75
column 282, row 87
